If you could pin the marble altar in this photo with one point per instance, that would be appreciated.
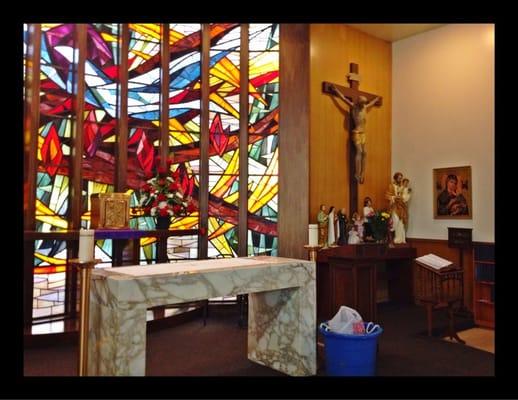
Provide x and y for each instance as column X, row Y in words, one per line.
column 281, row 319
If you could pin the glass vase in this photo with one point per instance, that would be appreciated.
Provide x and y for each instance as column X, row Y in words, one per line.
column 379, row 236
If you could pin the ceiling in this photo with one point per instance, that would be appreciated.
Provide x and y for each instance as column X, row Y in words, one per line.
column 393, row 32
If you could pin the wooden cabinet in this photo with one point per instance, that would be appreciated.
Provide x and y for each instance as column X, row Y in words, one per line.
column 354, row 285
column 484, row 284
column 347, row 275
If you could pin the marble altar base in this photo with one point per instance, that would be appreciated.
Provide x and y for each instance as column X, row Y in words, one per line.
column 281, row 318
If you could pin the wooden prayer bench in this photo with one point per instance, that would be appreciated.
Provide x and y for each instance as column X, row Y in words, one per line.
column 438, row 289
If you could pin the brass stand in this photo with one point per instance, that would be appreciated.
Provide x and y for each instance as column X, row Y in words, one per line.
column 312, row 251
column 85, row 268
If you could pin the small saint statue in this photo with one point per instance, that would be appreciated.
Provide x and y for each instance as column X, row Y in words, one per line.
column 322, row 219
column 331, row 224
column 342, row 227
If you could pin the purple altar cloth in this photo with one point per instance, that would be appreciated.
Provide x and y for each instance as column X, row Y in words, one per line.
column 118, row 234
column 136, row 234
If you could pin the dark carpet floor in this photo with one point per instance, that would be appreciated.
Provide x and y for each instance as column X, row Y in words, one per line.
column 219, row 349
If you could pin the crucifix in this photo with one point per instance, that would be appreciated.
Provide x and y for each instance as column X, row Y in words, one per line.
column 359, row 103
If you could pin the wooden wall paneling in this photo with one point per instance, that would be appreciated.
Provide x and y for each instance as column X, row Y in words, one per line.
column 483, row 286
column 293, row 140
column 333, row 47
column 440, row 248
column 328, row 142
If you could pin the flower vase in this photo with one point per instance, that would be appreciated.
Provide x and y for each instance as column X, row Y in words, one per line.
column 163, row 222
column 379, row 237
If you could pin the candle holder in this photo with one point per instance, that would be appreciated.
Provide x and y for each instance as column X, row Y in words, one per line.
column 85, row 268
column 312, row 251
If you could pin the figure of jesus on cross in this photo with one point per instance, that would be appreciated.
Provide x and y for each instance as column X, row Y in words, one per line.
column 359, row 103
column 359, row 118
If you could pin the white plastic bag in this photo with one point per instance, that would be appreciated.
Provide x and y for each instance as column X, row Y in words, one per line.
column 346, row 321
column 371, row 327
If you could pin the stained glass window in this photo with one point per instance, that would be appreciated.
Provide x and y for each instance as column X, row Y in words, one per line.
column 100, row 115
column 184, row 125
column 49, row 278
column 101, row 118
column 263, row 138
column 144, row 69
column 58, row 63
column 224, row 115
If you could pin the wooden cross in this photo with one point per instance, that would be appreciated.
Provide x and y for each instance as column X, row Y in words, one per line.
column 353, row 93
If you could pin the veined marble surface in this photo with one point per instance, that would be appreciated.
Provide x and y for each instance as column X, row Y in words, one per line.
column 281, row 318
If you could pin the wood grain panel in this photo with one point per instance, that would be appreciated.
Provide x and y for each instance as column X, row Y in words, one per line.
column 440, row 248
column 323, row 290
column 366, row 297
column 344, row 289
column 293, row 140
column 333, row 47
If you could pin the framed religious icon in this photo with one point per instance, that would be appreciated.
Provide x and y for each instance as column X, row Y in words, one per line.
column 452, row 193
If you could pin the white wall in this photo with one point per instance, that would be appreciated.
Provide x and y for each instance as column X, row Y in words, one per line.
column 443, row 116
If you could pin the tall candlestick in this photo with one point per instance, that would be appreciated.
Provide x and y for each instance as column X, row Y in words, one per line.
column 86, row 245
column 84, row 311
column 313, row 234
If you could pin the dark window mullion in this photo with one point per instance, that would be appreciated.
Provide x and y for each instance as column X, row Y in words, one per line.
column 243, row 145
column 76, row 158
column 164, row 94
column 121, row 159
column 77, row 131
column 203, row 192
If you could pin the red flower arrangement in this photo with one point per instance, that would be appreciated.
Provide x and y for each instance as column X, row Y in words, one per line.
column 162, row 195
column 381, row 224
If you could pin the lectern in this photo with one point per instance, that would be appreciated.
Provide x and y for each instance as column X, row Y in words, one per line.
column 461, row 238
column 439, row 288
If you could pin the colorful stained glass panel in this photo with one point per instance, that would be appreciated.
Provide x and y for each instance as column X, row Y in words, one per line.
column 263, row 121
column 49, row 278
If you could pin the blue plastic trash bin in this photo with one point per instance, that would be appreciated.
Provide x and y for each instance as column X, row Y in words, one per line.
column 350, row 355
